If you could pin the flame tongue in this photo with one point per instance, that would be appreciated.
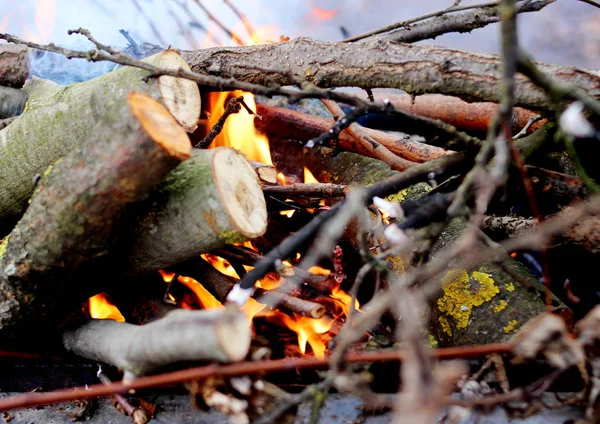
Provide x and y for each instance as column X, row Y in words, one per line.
column 239, row 131
column 101, row 308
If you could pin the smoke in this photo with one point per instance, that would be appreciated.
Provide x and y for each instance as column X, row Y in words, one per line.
column 61, row 70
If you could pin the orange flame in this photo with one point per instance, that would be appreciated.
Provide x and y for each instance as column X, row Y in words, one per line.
column 321, row 14
column 45, row 14
column 101, row 308
column 345, row 299
column 309, row 330
column 220, row 265
column 239, row 131
column 309, row 178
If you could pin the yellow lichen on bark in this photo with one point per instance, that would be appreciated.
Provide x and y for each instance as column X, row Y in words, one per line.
column 500, row 306
column 462, row 295
column 511, row 327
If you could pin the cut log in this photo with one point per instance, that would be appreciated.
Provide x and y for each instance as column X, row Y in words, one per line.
column 498, row 298
column 12, row 102
column 14, row 65
column 208, row 201
column 301, row 126
column 60, row 118
column 417, row 69
column 75, row 210
column 215, row 335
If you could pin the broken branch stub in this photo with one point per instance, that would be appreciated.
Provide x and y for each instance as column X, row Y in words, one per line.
column 58, row 119
column 75, row 210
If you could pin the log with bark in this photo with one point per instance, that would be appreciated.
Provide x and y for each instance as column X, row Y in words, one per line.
column 14, row 65
column 417, row 69
column 182, row 335
column 484, row 304
column 75, row 210
column 58, row 119
column 297, row 125
column 211, row 200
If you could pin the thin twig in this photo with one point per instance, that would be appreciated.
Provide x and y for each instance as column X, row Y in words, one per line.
column 233, row 370
column 138, row 415
column 234, row 105
column 408, row 22
column 313, row 190
column 591, row 2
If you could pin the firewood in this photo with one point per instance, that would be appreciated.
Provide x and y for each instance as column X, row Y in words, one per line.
column 76, row 208
column 417, row 69
column 216, row 335
column 59, row 119
column 482, row 305
column 12, row 102
column 456, row 112
column 14, row 65
column 210, row 200
column 300, row 126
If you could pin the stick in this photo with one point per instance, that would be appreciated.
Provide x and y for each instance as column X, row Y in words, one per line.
column 479, row 17
column 233, row 106
column 14, row 65
column 377, row 150
column 474, row 117
column 77, row 204
column 300, row 126
column 138, row 415
column 233, row 370
column 312, row 189
column 182, row 335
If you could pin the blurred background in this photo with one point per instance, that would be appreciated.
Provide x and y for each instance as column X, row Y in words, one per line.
column 566, row 32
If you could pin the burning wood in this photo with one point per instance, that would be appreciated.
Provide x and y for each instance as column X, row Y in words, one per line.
column 331, row 271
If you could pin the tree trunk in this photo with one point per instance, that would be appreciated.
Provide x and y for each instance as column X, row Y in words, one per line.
column 75, row 210
column 59, row 119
